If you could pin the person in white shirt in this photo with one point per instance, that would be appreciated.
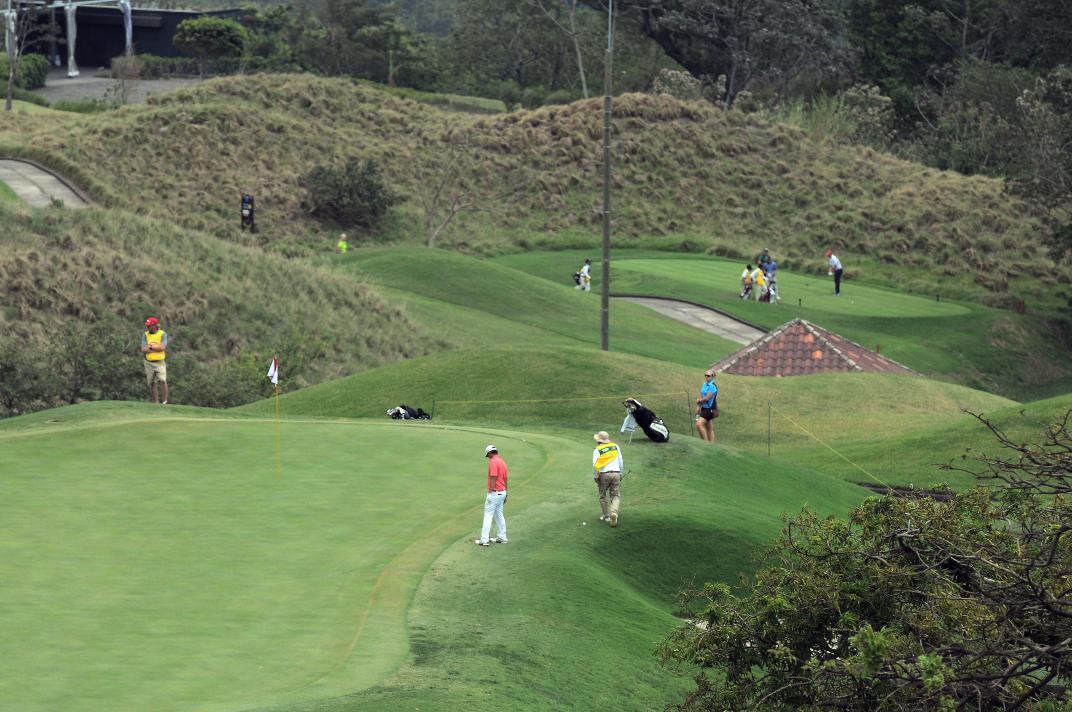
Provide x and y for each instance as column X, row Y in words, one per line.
column 586, row 276
column 835, row 270
column 746, row 283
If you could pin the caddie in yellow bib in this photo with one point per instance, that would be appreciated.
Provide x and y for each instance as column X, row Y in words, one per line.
column 154, row 348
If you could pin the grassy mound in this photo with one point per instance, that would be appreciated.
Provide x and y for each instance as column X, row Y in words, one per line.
column 580, row 390
column 687, row 175
column 59, row 268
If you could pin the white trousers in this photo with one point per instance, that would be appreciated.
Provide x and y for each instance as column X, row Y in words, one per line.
column 493, row 507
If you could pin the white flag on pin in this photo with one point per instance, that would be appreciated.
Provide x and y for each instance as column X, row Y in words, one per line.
column 273, row 372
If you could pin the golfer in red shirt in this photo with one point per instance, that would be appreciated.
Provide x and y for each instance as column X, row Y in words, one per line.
column 493, row 503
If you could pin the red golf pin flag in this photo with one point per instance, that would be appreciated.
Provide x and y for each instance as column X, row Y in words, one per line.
column 273, row 372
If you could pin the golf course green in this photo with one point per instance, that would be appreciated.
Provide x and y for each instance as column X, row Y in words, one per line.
column 170, row 561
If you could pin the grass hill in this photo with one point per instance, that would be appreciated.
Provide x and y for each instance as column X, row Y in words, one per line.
column 688, row 176
column 576, row 390
column 108, row 269
column 204, row 577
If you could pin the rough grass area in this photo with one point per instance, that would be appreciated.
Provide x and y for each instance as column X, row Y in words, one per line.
column 686, row 175
column 215, row 299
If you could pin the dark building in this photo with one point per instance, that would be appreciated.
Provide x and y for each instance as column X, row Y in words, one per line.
column 100, row 32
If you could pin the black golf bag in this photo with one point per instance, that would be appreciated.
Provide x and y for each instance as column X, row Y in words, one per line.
column 576, row 277
column 652, row 425
column 248, row 211
column 404, row 412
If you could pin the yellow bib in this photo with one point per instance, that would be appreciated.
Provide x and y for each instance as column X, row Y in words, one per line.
column 156, row 338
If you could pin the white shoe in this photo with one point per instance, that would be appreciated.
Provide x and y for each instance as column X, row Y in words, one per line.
column 481, row 542
column 500, row 540
column 163, row 402
column 604, row 518
column 614, row 519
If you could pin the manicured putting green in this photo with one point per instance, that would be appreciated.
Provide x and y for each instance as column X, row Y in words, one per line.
column 815, row 291
column 168, row 565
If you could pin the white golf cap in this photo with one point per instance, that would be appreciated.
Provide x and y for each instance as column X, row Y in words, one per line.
column 490, row 449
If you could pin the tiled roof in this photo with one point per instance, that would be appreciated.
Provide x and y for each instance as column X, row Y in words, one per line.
column 800, row 348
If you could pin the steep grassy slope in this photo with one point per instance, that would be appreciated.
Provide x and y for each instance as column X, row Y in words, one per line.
column 700, row 177
column 62, row 268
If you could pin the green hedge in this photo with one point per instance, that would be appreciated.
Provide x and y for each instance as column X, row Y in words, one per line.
column 33, row 71
column 154, row 67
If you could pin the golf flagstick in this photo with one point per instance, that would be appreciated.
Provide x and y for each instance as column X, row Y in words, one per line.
column 273, row 376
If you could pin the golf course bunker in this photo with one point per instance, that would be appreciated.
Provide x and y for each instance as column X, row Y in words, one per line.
column 38, row 186
column 710, row 320
column 179, row 560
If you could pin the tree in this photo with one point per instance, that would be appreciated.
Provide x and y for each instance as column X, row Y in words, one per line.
column 957, row 602
column 210, row 38
column 353, row 194
column 1043, row 173
column 776, row 42
column 22, row 34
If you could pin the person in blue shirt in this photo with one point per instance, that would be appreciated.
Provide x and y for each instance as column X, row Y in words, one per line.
column 707, row 407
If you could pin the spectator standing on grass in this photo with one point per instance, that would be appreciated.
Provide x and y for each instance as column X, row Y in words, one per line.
column 495, row 499
column 154, row 346
column 763, row 258
column 342, row 245
column 835, row 270
column 607, row 468
column 586, row 276
column 707, row 407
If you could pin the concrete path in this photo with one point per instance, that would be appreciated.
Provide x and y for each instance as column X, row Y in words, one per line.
column 37, row 186
column 88, row 86
column 709, row 320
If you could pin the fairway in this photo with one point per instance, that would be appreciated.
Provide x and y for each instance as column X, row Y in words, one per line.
column 167, row 564
column 814, row 291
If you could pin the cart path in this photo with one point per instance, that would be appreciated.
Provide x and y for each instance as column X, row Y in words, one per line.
column 706, row 318
column 37, row 185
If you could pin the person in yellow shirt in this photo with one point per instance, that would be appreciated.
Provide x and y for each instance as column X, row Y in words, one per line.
column 342, row 246
column 154, row 347
column 607, row 467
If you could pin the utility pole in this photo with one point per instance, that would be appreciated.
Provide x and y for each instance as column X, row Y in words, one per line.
column 604, row 316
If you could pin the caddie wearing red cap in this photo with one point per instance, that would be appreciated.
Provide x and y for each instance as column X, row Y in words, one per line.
column 154, row 346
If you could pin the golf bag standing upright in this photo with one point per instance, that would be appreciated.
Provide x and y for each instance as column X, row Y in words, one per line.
column 652, row 425
column 248, row 213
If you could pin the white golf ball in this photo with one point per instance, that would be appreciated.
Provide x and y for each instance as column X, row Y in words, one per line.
column 584, row 524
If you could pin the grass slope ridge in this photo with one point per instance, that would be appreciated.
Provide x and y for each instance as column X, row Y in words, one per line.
column 580, row 390
column 706, row 178
column 215, row 299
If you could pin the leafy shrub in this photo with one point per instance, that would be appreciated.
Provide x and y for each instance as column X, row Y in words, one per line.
column 532, row 97
column 562, row 96
column 678, row 84
column 353, row 195
column 211, row 38
column 33, row 71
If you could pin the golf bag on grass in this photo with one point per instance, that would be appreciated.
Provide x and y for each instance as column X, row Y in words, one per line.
column 652, row 425
column 404, row 412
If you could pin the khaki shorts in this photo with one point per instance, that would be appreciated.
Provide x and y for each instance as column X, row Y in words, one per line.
column 155, row 371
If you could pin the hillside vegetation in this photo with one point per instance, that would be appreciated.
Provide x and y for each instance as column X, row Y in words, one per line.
column 687, row 176
column 79, row 284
